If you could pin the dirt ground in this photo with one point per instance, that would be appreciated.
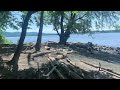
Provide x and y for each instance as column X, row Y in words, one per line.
column 75, row 56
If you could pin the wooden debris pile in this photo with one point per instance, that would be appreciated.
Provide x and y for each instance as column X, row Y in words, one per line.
column 64, row 68
column 68, row 70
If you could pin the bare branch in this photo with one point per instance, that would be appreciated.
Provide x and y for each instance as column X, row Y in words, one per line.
column 81, row 17
column 57, row 32
column 55, row 28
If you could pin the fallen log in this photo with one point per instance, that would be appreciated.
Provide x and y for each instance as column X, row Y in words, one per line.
column 65, row 68
column 100, row 68
column 77, row 71
column 69, row 72
column 107, row 70
column 69, row 61
column 51, row 71
column 39, row 54
column 56, row 70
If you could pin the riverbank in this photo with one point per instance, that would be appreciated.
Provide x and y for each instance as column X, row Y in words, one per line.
column 78, row 53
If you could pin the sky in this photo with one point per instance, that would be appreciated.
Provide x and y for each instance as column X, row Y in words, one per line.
column 46, row 29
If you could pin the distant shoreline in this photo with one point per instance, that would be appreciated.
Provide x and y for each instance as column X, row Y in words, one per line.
column 14, row 35
column 17, row 34
column 31, row 35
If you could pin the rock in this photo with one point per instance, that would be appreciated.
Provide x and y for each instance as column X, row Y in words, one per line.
column 52, row 58
column 47, row 48
column 49, row 54
column 65, row 55
column 60, row 57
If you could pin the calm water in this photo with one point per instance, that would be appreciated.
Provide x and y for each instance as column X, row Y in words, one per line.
column 108, row 39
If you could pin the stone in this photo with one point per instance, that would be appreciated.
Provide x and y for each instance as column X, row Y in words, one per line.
column 60, row 57
column 47, row 48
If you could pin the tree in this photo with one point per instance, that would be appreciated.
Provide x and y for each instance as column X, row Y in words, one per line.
column 38, row 43
column 69, row 22
column 5, row 17
column 9, row 19
column 15, row 58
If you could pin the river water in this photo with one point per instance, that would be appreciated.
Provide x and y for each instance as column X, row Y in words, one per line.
column 108, row 39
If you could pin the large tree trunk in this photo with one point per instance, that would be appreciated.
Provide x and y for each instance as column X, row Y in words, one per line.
column 38, row 43
column 16, row 56
column 62, row 41
column 64, row 36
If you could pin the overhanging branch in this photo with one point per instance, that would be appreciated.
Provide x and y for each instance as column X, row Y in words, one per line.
column 81, row 17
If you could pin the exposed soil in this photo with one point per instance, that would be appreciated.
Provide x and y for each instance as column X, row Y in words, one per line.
column 107, row 57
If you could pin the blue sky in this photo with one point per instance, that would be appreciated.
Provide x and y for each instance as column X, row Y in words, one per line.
column 46, row 29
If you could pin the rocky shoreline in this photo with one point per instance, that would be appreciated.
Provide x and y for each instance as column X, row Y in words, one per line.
column 78, row 45
column 91, row 47
column 95, row 47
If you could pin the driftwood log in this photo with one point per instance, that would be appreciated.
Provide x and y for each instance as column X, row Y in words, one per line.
column 51, row 71
column 65, row 68
column 56, row 70
column 100, row 68
column 68, row 71
column 104, row 69
column 40, row 54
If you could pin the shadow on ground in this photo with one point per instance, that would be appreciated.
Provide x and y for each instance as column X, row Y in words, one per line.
column 31, row 73
column 112, row 58
column 81, row 50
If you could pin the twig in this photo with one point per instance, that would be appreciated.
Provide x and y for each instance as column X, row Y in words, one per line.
column 69, row 61
column 38, row 70
column 98, row 69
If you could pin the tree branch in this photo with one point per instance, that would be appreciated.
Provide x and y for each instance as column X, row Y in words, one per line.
column 57, row 32
column 81, row 17
column 55, row 28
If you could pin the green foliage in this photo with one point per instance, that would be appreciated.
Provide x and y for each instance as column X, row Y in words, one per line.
column 117, row 27
column 3, row 40
column 4, row 19
column 82, row 21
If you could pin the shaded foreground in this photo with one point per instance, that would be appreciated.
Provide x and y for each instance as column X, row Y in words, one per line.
column 70, row 61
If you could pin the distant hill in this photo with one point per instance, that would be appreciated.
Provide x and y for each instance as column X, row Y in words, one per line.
column 16, row 34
